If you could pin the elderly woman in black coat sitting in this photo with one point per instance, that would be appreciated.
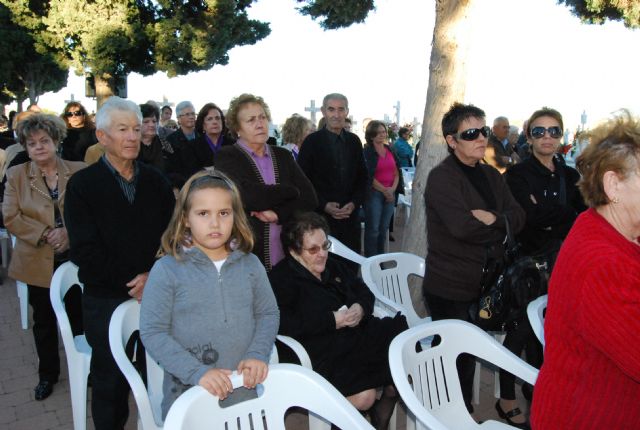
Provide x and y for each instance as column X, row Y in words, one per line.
column 328, row 309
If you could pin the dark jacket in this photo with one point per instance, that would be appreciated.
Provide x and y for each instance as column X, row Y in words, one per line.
column 459, row 244
column 557, row 202
column 338, row 174
column 291, row 193
column 201, row 153
column 76, row 143
column 371, row 161
column 112, row 240
column 181, row 164
column 496, row 152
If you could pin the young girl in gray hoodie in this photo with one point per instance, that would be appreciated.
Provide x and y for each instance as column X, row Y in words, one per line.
column 208, row 307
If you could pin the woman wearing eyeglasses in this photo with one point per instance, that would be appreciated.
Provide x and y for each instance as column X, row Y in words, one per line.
column 81, row 132
column 467, row 203
column 547, row 190
column 324, row 306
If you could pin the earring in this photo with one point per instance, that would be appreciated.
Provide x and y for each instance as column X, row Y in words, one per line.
column 615, row 200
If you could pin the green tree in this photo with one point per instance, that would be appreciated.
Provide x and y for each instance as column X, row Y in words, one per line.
column 111, row 38
column 599, row 11
column 28, row 70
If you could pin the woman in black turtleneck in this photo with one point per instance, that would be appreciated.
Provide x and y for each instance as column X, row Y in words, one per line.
column 465, row 203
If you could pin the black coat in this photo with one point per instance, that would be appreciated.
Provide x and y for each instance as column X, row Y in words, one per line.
column 291, row 193
column 557, row 202
column 352, row 359
column 336, row 178
column 75, row 145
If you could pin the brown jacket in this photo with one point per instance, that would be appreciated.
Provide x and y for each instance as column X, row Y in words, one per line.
column 28, row 212
column 458, row 243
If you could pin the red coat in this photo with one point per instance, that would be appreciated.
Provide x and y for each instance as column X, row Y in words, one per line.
column 591, row 374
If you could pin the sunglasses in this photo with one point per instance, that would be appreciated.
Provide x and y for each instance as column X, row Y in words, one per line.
column 538, row 132
column 315, row 249
column 473, row 133
column 75, row 113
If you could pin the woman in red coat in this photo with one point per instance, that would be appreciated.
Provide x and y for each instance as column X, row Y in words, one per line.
column 590, row 378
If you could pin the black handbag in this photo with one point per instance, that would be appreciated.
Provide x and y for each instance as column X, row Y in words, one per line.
column 508, row 285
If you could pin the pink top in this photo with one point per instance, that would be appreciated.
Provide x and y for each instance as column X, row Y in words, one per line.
column 386, row 169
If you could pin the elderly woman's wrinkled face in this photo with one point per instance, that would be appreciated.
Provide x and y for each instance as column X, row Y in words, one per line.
column 625, row 205
column 254, row 124
column 40, row 147
column 313, row 255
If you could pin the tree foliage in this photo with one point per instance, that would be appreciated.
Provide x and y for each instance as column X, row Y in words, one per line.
column 599, row 11
column 116, row 37
column 29, row 68
column 336, row 14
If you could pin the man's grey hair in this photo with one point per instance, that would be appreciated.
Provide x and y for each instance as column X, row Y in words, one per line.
column 500, row 119
column 335, row 96
column 113, row 104
column 182, row 106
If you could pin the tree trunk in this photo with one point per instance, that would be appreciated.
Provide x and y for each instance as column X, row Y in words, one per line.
column 447, row 84
column 105, row 88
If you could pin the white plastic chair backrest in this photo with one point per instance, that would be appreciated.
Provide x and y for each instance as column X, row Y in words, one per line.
column 124, row 322
column 535, row 312
column 63, row 279
column 286, row 386
column 391, row 281
column 427, row 380
column 344, row 251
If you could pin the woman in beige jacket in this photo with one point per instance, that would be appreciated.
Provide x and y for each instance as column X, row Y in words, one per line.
column 33, row 210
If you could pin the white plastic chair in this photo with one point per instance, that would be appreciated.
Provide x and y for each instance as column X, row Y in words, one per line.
column 287, row 385
column 77, row 349
column 23, row 291
column 535, row 312
column 124, row 322
column 344, row 251
column 390, row 284
column 428, row 380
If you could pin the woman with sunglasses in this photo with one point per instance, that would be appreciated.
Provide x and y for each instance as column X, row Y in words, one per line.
column 547, row 190
column 81, row 132
column 467, row 204
column 328, row 309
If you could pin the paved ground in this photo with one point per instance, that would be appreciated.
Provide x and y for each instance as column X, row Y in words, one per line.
column 18, row 376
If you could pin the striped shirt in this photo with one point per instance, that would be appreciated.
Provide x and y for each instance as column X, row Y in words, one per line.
column 128, row 187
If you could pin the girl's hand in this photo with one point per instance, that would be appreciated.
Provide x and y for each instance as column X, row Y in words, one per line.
column 217, row 382
column 254, row 372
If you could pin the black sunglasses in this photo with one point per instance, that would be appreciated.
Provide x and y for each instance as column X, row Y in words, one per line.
column 473, row 133
column 76, row 113
column 538, row 132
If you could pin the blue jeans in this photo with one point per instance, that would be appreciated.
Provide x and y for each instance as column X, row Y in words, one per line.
column 377, row 215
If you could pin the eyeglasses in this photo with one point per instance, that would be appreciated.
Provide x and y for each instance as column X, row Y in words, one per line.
column 473, row 133
column 538, row 132
column 315, row 249
column 74, row 113
column 188, row 114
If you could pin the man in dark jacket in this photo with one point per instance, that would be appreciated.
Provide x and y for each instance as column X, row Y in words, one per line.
column 116, row 212
column 332, row 160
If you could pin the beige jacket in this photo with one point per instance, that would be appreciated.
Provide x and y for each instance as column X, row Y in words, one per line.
column 28, row 212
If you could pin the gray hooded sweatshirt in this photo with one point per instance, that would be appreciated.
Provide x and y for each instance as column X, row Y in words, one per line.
column 194, row 319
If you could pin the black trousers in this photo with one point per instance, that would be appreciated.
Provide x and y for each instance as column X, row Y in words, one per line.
column 442, row 309
column 520, row 337
column 109, row 388
column 347, row 231
column 45, row 328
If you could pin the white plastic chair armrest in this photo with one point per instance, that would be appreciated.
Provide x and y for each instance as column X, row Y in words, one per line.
column 298, row 349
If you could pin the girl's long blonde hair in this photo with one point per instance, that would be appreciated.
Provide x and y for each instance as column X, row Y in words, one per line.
column 177, row 235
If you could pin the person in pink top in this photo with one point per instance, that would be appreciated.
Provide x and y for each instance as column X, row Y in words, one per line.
column 384, row 181
column 590, row 378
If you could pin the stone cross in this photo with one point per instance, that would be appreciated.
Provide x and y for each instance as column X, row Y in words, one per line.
column 415, row 130
column 397, row 109
column 165, row 102
column 313, row 109
column 71, row 99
